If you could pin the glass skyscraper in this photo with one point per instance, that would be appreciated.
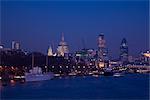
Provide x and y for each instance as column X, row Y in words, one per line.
column 124, row 51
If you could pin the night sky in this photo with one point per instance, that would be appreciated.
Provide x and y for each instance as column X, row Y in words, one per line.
column 38, row 24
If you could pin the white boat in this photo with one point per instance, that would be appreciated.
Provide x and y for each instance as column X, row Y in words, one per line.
column 35, row 74
column 117, row 74
column 108, row 72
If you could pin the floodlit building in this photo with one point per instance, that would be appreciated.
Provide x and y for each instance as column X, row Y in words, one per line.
column 146, row 56
column 124, row 51
column 15, row 45
column 102, row 51
column 50, row 51
column 62, row 47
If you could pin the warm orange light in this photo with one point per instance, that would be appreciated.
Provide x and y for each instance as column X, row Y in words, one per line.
column 101, row 64
column 12, row 81
column 147, row 55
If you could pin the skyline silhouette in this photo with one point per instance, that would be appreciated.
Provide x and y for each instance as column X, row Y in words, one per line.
column 38, row 24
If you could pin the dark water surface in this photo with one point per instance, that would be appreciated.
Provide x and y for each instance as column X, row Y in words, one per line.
column 130, row 86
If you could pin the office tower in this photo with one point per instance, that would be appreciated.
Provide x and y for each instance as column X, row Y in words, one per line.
column 62, row 47
column 124, row 51
column 102, row 52
column 15, row 45
column 147, row 57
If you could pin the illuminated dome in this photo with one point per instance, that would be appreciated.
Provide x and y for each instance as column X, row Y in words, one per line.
column 62, row 47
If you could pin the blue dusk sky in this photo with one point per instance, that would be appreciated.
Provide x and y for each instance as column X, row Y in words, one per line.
column 36, row 24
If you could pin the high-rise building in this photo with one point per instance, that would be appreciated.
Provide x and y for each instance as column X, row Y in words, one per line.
column 102, row 51
column 146, row 57
column 124, row 51
column 15, row 45
column 62, row 47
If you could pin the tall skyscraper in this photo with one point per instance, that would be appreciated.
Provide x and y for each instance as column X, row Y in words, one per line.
column 62, row 47
column 124, row 51
column 102, row 51
column 15, row 45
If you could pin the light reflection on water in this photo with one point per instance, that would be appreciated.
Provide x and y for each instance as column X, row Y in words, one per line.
column 133, row 86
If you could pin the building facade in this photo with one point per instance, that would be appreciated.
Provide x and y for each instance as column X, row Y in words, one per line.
column 124, row 51
column 62, row 49
column 102, row 51
column 50, row 51
column 15, row 45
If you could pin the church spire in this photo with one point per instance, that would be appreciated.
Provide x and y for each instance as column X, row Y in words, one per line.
column 50, row 51
column 62, row 36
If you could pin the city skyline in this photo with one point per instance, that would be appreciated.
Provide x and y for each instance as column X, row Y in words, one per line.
column 79, row 21
column 74, row 49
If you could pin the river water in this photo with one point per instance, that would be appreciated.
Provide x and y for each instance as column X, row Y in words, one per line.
column 130, row 86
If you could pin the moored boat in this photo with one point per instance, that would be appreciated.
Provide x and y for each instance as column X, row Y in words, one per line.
column 108, row 72
column 117, row 74
column 36, row 74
